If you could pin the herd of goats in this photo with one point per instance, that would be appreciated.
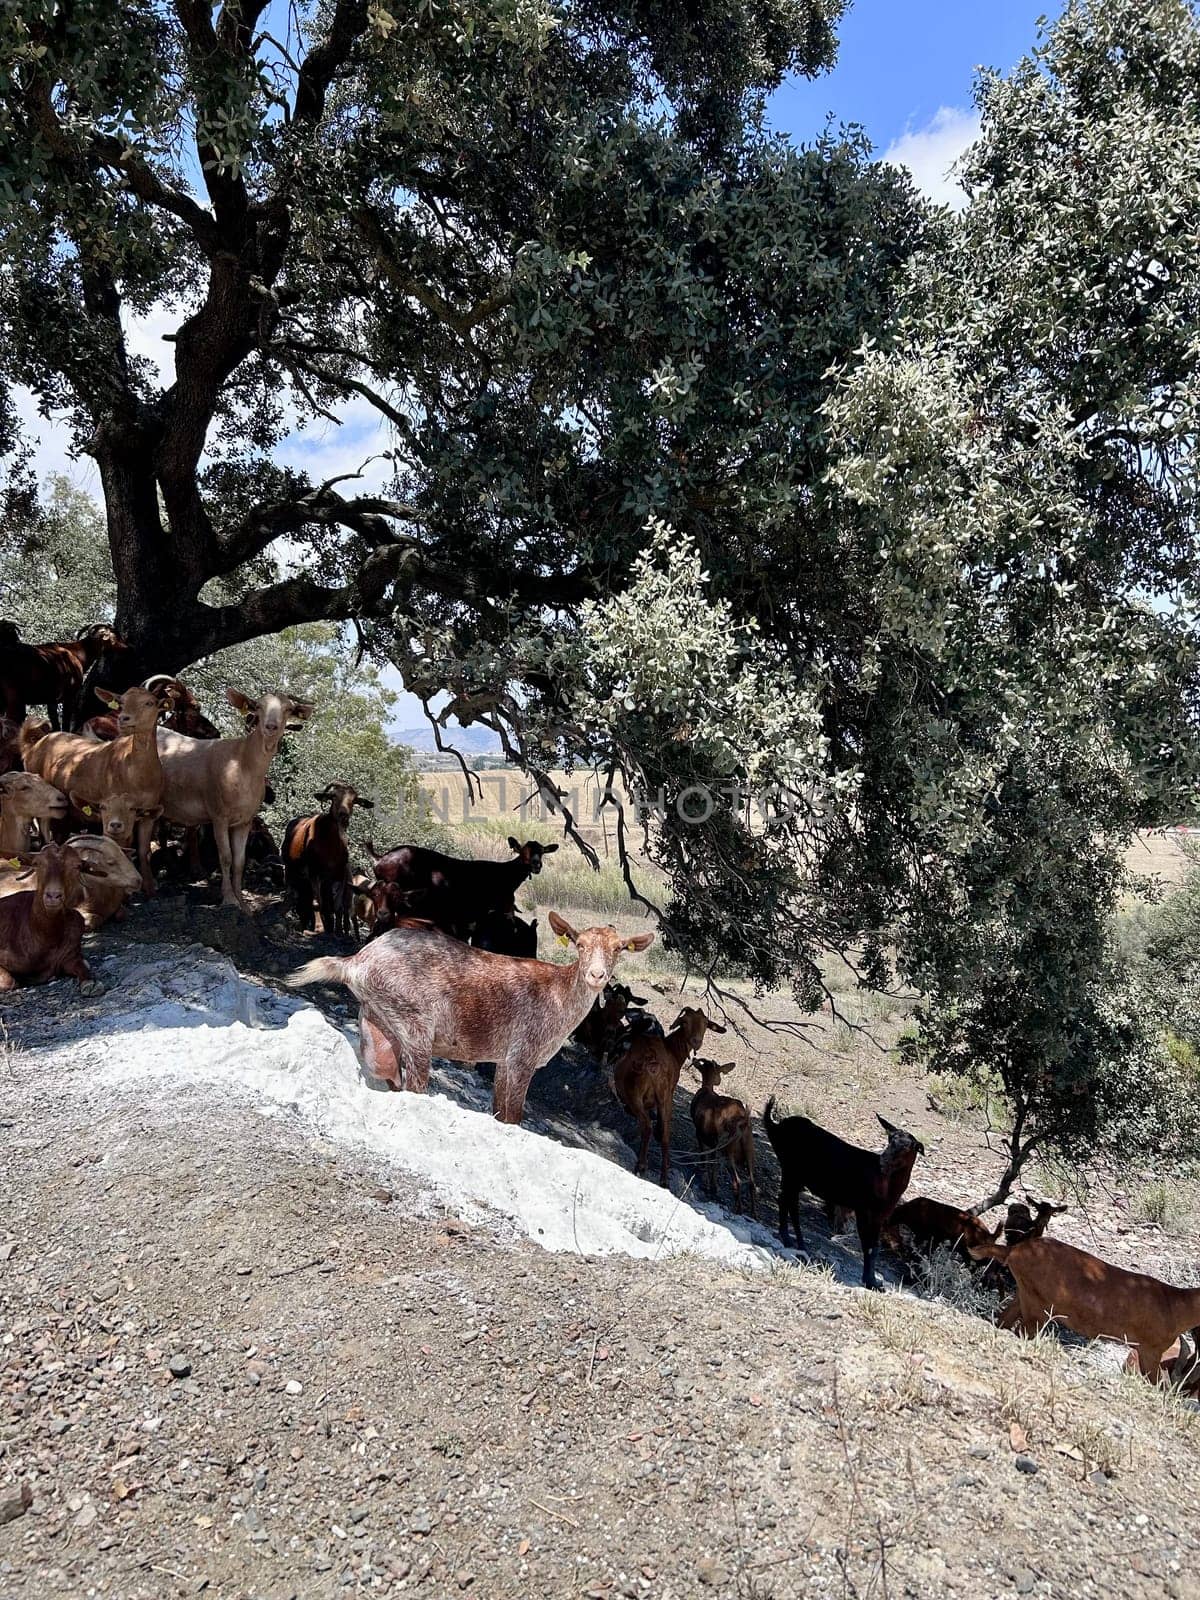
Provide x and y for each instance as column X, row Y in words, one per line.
column 449, row 969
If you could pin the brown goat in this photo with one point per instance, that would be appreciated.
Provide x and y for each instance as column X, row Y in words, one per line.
column 601, row 1028
column 422, row 993
column 41, row 932
column 1021, row 1223
column 723, row 1129
column 933, row 1222
column 10, row 748
column 45, row 674
column 316, row 859
column 846, row 1177
column 647, row 1075
column 1059, row 1283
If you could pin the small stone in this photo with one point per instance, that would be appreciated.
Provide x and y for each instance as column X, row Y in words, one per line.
column 359, row 1513
column 106, row 1291
column 980, row 1452
column 1026, row 1464
column 1024, row 1581
column 251, row 1520
column 179, row 1366
column 8, row 1251
column 85, row 1516
column 420, row 1523
column 710, row 1571
column 293, row 1386
column 465, row 1579
column 384, row 1196
column 1098, row 1477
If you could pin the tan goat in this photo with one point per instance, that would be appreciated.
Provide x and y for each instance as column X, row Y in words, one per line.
column 647, row 1075
column 91, row 772
column 223, row 781
column 25, row 799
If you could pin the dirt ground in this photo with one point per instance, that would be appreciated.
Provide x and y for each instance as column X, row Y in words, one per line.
column 238, row 1362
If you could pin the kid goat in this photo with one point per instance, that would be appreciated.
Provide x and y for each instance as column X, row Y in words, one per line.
column 723, row 1127
column 422, row 993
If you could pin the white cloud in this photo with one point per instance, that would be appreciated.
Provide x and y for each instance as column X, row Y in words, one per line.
column 930, row 152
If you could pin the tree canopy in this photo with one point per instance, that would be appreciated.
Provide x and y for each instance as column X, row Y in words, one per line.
column 730, row 467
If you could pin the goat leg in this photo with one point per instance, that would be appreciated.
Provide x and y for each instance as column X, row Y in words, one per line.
column 664, row 1142
column 379, row 1053
column 643, row 1156
column 509, row 1089
column 144, row 832
column 237, row 844
column 868, row 1236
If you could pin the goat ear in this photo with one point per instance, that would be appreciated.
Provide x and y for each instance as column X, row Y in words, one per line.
column 239, row 701
column 92, row 869
column 513, row 845
column 639, row 941
column 363, row 801
column 80, row 804
column 300, row 710
column 549, row 849
column 149, row 813
column 715, row 1027
column 107, row 698
column 321, row 794
column 888, row 1127
column 563, row 928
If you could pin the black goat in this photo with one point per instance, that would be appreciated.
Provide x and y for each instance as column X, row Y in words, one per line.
column 848, row 1178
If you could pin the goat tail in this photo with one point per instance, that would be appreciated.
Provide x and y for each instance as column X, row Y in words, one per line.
column 325, row 969
column 33, row 729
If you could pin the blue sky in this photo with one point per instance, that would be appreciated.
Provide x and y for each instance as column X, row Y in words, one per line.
column 901, row 61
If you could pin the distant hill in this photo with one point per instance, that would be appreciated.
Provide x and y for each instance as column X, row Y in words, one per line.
column 472, row 741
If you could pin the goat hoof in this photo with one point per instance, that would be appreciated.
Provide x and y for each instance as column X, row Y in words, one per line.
column 90, row 987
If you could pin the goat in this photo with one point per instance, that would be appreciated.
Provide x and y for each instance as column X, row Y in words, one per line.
column 184, row 715
column 10, row 753
column 41, row 932
column 601, row 1028
column 116, row 816
column 91, row 772
column 24, row 799
column 647, row 1075
column 422, row 993
column 845, row 1177
column 222, row 781
column 723, row 1128
column 505, row 934
column 1060, row 1283
column 109, row 883
column 317, row 860
column 48, row 674
column 933, row 1222
column 1021, row 1223
column 458, row 892
column 355, row 893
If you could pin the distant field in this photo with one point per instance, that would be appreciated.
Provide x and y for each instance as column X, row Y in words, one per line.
column 508, row 796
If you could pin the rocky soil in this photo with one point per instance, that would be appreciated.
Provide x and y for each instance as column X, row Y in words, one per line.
column 239, row 1360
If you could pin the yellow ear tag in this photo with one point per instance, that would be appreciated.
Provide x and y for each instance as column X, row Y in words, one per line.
column 87, row 811
column 562, row 939
column 13, row 863
column 630, row 945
